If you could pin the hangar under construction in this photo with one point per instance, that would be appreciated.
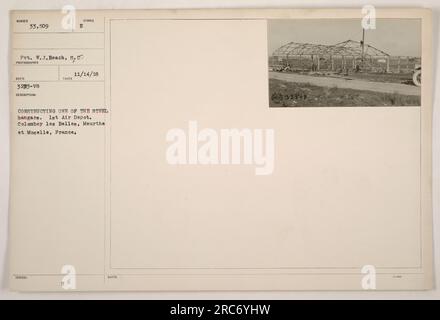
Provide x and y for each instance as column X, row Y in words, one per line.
column 342, row 57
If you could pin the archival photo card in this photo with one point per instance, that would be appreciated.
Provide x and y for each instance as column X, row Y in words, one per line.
column 146, row 156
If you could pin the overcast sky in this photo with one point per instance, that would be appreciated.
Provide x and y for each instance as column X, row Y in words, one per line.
column 394, row 36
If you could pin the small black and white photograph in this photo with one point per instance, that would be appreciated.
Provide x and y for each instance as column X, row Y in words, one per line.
column 339, row 63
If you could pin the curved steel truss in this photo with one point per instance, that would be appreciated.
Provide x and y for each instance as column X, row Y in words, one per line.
column 347, row 48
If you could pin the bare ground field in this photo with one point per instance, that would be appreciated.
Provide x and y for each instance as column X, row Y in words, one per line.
column 344, row 83
column 302, row 94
